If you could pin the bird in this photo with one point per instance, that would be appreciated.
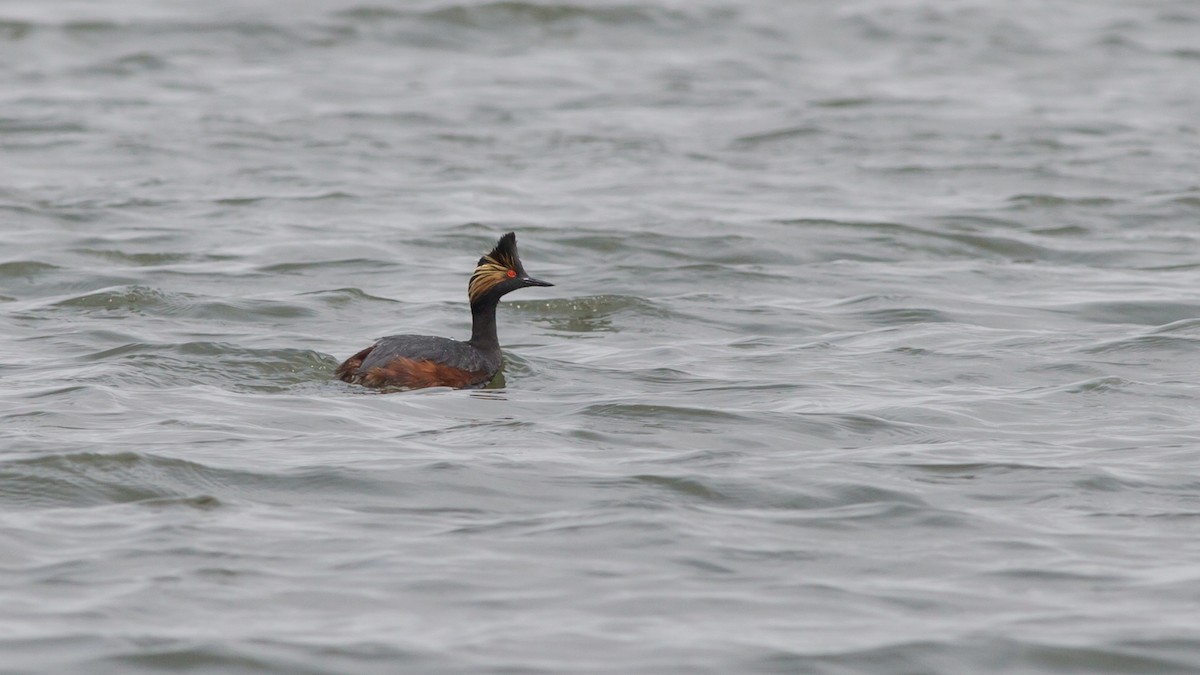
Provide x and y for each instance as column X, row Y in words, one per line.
column 418, row 361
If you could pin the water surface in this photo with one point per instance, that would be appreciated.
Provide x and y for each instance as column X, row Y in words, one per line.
column 872, row 349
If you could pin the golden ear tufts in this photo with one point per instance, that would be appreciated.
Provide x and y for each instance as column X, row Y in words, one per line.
column 485, row 278
column 494, row 267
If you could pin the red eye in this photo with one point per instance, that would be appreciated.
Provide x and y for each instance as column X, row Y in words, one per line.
column 512, row 273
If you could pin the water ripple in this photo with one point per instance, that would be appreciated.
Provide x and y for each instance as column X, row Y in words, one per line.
column 871, row 348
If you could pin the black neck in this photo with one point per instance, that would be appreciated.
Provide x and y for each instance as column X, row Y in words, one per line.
column 483, row 324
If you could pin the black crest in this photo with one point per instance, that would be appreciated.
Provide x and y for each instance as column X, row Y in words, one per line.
column 504, row 254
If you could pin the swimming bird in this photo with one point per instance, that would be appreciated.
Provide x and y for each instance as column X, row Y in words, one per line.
column 415, row 361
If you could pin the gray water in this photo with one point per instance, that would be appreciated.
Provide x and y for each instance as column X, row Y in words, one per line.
column 873, row 347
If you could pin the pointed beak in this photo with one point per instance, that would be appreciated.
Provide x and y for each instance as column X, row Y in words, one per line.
column 530, row 281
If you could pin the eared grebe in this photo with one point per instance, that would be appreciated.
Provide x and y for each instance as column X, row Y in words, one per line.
column 414, row 361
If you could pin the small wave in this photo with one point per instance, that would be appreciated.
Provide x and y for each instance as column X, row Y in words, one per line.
column 904, row 315
column 88, row 479
column 972, row 470
column 500, row 13
column 981, row 655
column 746, row 494
column 1146, row 344
column 901, row 238
column 660, row 415
column 753, row 141
column 516, row 24
column 1098, row 385
column 128, row 65
column 731, row 252
column 363, row 264
column 1185, row 53
column 139, row 28
column 343, row 297
column 1191, row 325
column 13, row 126
column 493, row 15
column 134, row 299
column 845, row 102
column 14, row 30
column 1154, row 313
column 26, row 269
column 214, row 363
column 332, row 195
column 1057, row 201
column 152, row 259
column 139, row 299
column 859, row 426
column 588, row 314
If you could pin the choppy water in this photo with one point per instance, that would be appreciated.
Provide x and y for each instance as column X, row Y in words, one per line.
column 873, row 346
